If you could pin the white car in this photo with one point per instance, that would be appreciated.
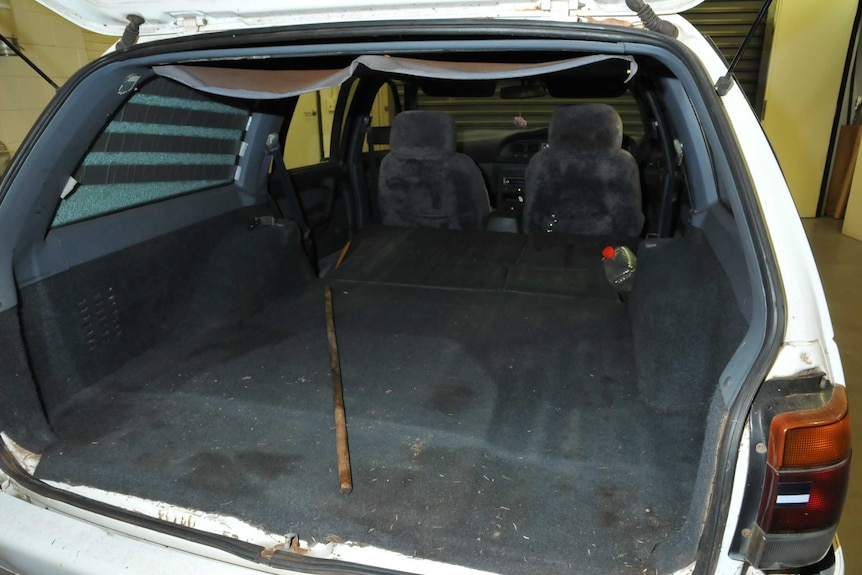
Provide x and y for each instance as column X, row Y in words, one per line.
column 410, row 287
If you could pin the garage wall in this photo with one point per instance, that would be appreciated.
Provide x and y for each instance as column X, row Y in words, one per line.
column 58, row 47
column 806, row 65
column 726, row 22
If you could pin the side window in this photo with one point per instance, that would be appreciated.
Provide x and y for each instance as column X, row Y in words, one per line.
column 310, row 130
column 166, row 140
column 383, row 110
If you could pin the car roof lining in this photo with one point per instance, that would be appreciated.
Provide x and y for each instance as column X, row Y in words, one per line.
column 261, row 84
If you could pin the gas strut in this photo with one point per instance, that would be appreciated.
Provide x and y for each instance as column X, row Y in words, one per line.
column 27, row 60
column 726, row 82
column 130, row 37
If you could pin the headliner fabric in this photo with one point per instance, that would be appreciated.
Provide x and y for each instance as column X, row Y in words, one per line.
column 273, row 84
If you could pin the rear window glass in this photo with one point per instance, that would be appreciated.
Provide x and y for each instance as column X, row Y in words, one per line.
column 166, row 140
column 492, row 116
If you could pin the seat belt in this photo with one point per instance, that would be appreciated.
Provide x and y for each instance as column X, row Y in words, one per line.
column 282, row 191
column 374, row 204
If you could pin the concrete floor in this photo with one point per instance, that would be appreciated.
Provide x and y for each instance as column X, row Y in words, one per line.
column 839, row 259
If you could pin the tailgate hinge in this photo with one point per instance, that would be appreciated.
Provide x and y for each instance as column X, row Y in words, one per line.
column 190, row 22
column 558, row 7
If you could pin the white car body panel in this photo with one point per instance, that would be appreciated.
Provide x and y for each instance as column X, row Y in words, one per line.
column 171, row 18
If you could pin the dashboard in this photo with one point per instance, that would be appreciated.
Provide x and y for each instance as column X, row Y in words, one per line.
column 504, row 163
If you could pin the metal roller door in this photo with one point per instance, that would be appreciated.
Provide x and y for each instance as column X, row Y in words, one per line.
column 727, row 22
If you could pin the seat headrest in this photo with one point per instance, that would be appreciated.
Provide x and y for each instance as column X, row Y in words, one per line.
column 594, row 128
column 423, row 134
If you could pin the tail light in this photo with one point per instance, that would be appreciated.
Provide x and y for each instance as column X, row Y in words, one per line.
column 805, row 480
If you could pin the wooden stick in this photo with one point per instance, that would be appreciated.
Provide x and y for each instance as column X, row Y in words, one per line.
column 344, row 475
column 342, row 254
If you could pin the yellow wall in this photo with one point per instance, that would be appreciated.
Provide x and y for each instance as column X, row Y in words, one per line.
column 58, row 47
column 311, row 126
column 802, row 85
column 302, row 147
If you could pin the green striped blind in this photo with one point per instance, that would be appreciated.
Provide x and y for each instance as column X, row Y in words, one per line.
column 166, row 140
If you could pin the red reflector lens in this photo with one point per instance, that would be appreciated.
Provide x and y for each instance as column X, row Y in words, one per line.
column 796, row 501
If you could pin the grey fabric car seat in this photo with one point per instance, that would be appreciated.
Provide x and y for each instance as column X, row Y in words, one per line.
column 424, row 182
column 583, row 182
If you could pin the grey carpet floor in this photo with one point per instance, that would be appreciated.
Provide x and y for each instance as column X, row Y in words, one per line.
column 501, row 431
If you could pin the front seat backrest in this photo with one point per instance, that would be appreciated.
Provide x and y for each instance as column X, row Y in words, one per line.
column 583, row 182
column 424, row 182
